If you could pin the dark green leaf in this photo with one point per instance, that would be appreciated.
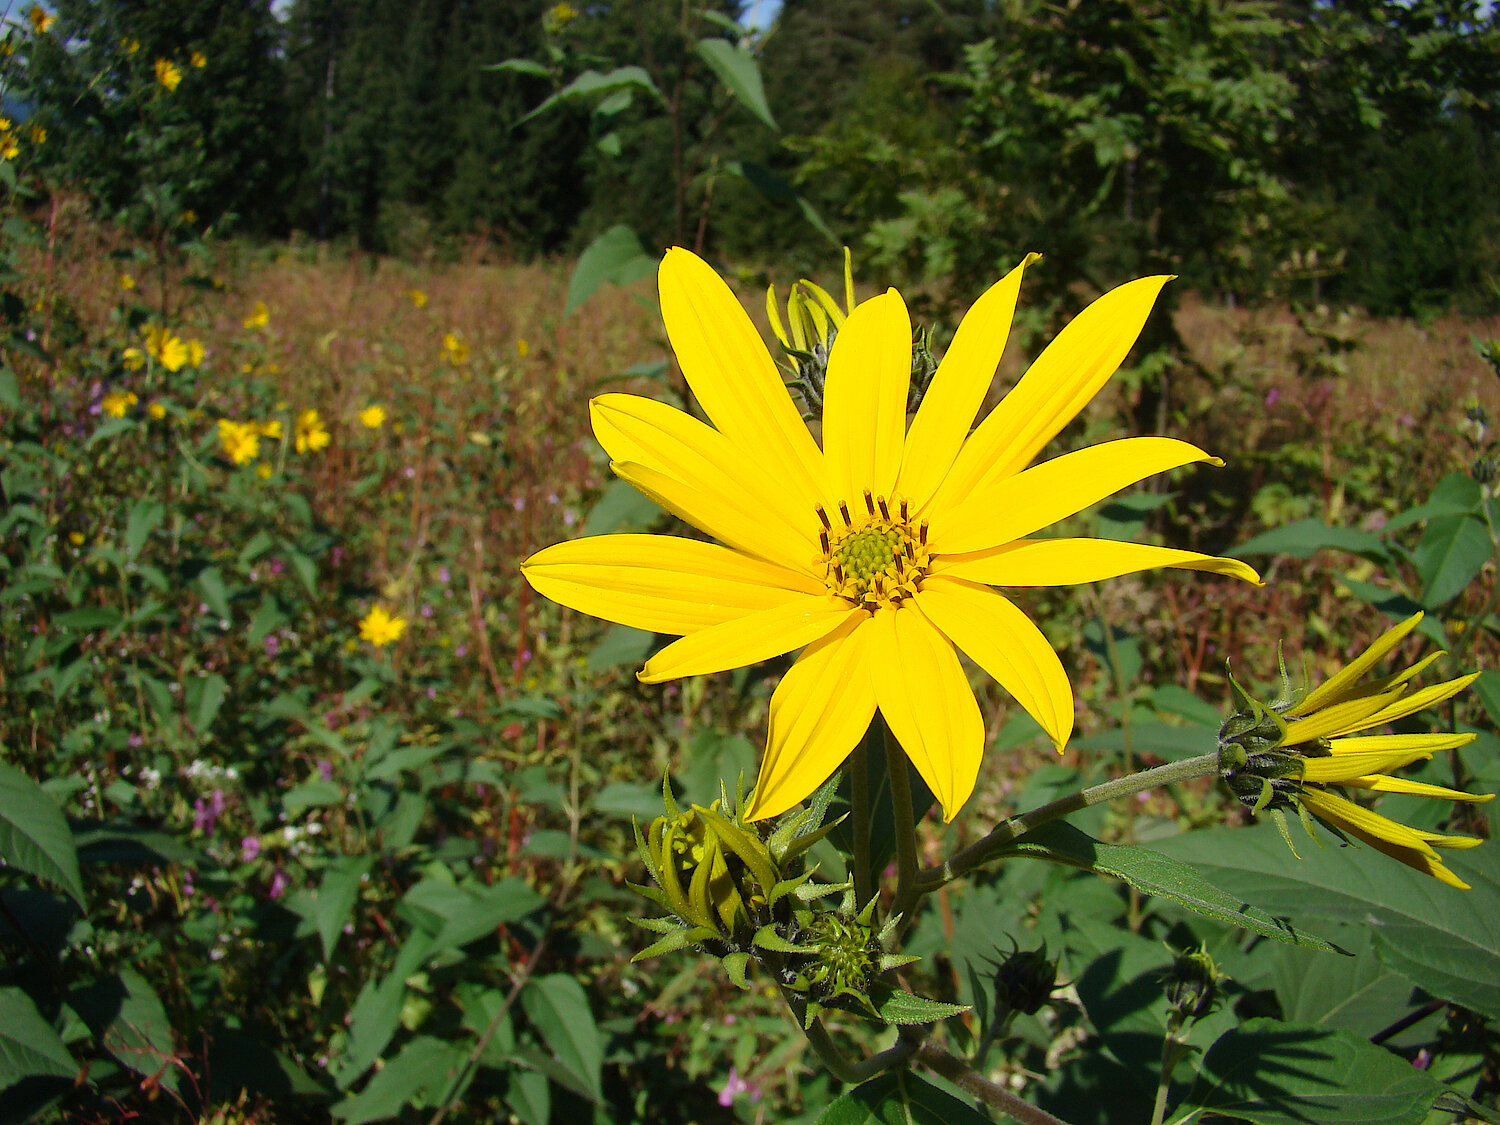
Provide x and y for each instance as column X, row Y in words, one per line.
column 28, row 1044
column 905, row 1008
column 1450, row 554
column 145, row 516
column 615, row 256
column 1305, row 537
column 1457, row 494
column 738, row 70
column 900, row 1097
column 424, row 1066
column 129, row 1021
column 336, row 896
column 558, row 1008
column 621, row 508
column 34, row 837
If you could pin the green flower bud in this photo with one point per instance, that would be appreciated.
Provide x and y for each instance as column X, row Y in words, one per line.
column 1192, row 986
column 1024, row 981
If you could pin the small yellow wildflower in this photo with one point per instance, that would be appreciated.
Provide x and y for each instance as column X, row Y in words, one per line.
column 157, row 411
column 372, row 417
column 76, row 538
column 523, row 349
column 9, row 149
column 38, row 135
column 417, row 297
column 196, row 351
column 380, row 628
column 270, row 428
column 198, row 59
column 558, row 17
column 190, row 216
column 263, row 471
column 167, row 349
column 311, row 434
column 240, row 441
column 259, row 317
column 131, row 46
column 41, row 20
column 168, row 74
column 455, row 351
column 126, row 281
column 116, row 403
column 133, row 359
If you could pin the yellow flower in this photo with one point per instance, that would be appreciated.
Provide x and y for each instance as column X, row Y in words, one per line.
column 157, row 411
column 116, row 403
column 558, row 17
column 455, row 351
column 240, row 441
column 126, row 281
column 259, row 317
column 875, row 553
column 380, row 628
column 41, row 20
column 263, row 471
column 1310, row 747
column 132, row 46
column 9, row 149
column 311, row 435
column 133, row 359
column 165, row 348
column 523, row 349
column 372, row 417
column 270, row 428
column 190, row 216
column 195, row 353
column 417, row 297
column 38, row 135
column 198, row 59
column 168, row 74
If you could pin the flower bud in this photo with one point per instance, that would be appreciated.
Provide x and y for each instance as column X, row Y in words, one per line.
column 1024, row 981
column 1192, row 986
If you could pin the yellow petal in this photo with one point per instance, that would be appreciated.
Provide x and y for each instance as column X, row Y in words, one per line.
column 1062, row 381
column 647, row 432
column 819, row 712
column 1068, row 562
column 1002, row 640
column 1337, row 718
column 921, row 690
column 952, row 400
column 1420, row 700
column 1340, row 769
column 750, row 639
column 732, row 375
column 864, row 399
column 1379, row 783
column 1007, row 509
column 660, row 582
column 1427, row 744
column 1362, row 822
column 1335, row 686
column 711, row 504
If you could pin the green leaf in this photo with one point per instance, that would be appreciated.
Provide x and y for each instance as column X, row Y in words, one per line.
column 145, row 516
column 1443, row 939
column 738, row 70
column 373, row 1019
column 1356, row 993
column 621, row 508
column 629, row 798
column 1457, row 494
column 529, row 1095
column 314, row 794
column 906, row 1008
column 210, row 584
column 615, row 256
column 1451, row 552
column 210, row 692
column 1153, row 873
column 594, row 82
column 1305, row 537
column 10, row 392
column 425, row 1066
column 129, row 1021
column 521, row 66
column 455, row 916
column 29, row 1047
column 900, row 1097
column 621, row 645
column 559, row 1010
column 1275, row 1073
column 780, row 192
column 336, row 896
column 34, row 837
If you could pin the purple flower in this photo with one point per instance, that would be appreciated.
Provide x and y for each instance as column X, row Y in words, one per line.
column 461, row 650
column 279, row 884
column 273, row 644
column 249, row 848
column 736, row 1086
column 443, row 576
column 1272, row 396
column 325, row 770
column 426, row 609
column 206, row 813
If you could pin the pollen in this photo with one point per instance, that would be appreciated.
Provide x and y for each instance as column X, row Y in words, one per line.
column 875, row 556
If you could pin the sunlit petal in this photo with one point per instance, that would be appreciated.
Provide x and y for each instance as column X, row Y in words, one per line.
column 1062, row 381
column 958, row 388
column 921, row 690
column 819, row 712
column 733, row 376
column 1336, row 686
column 1419, row 701
column 1379, row 783
column 1002, row 640
column 864, row 399
column 1008, row 509
column 1068, row 562
column 749, row 639
column 1356, row 818
column 1339, row 718
column 1337, row 769
column 659, row 582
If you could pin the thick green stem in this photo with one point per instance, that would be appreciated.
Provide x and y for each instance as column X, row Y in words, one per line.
column 955, row 1070
column 905, row 825
column 1007, row 831
column 859, row 816
column 846, row 1069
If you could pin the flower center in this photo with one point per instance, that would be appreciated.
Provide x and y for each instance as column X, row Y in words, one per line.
column 876, row 557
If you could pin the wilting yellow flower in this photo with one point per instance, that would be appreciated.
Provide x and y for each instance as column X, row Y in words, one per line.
column 168, row 74
column 195, row 353
column 133, row 359
column 259, row 317
column 417, row 297
column 240, row 441
column 455, row 351
column 270, row 428
column 380, row 628
column 126, row 281
column 1295, row 753
column 875, row 553
column 157, row 411
column 311, row 434
column 198, row 59
column 165, row 348
column 38, row 135
column 372, row 417
column 41, row 20
column 116, row 403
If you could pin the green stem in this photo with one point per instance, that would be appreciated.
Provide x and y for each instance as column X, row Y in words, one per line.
column 966, row 1079
column 846, row 1069
column 859, row 810
column 905, row 825
column 1008, row 830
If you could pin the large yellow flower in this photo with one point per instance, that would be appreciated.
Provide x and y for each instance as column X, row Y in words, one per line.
column 875, row 553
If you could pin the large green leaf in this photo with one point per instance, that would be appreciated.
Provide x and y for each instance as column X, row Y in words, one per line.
column 621, row 508
column 1275, row 1073
column 592, row 82
column 615, row 256
column 34, row 837
column 1443, row 939
column 738, row 70
column 457, row 915
column 1305, row 537
column 129, row 1021
column 1451, row 552
column 336, row 896
column 559, row 1010
column 1153, row 873
column 1457, row 494
column 1359, row 993
column 28, row 1045
column 900, row 1098
column 425, row 1068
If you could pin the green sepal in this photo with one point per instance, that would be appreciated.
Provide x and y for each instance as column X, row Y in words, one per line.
column 658, row 925
column 677, row 939
column 889, row 961
column 811, row 892
column 735, row 965
column 786, row 887
column 801, row 843
column 667, row 800
column 748, row 848
column 652, row 893
column 908, row 1009
column 768, row 939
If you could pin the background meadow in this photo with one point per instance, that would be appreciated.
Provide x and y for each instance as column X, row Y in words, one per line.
column 286, row 873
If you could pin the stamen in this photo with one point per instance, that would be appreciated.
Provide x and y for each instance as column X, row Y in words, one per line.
column 822, row 515
column 922, row 534
column 903, row 511
column 823, row 536
column 844, row 511
column 869, row 503
column 884, row 511
column 911, row 554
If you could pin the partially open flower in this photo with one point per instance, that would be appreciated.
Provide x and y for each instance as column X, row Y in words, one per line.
column 1298, row 751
